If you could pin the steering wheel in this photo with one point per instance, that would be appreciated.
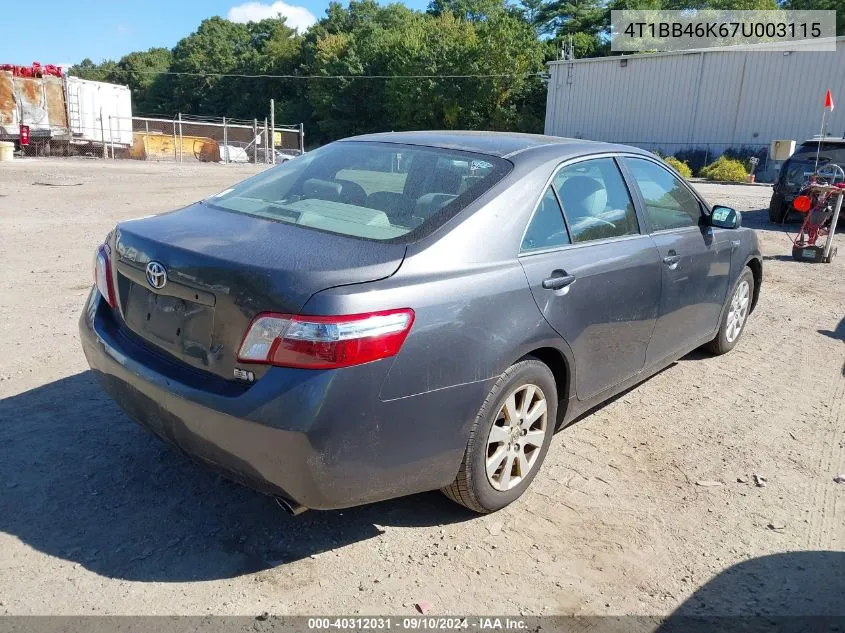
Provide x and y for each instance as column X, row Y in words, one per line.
column 832, row 168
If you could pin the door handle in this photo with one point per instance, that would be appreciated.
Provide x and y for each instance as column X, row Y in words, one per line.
column 556, row 282
column 672, row 259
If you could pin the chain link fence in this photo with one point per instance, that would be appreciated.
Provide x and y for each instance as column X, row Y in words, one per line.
column 212, row 139
column 180, row 139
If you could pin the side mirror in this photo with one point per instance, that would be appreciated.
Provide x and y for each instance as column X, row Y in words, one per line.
column 725, row 217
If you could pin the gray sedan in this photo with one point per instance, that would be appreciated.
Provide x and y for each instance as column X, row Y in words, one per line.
column 396, row 313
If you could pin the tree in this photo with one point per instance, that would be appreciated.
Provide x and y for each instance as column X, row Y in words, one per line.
column 144, row 74
column 349, row 42
column 220, row 47
column 529, row 10
column 471, row 10
column 446, row 45
column 87, row 69
column 821, row 5
column 567, row 17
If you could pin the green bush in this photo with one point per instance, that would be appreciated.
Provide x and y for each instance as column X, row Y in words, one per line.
column 679, row 166
column 725, row 170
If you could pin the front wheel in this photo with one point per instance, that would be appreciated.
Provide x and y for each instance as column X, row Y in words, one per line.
column 508, row 440
column 735, row 314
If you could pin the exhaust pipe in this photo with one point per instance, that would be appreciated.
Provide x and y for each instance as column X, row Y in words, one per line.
column 291, row 507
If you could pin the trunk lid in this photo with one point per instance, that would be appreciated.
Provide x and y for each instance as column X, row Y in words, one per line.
column 222, row 269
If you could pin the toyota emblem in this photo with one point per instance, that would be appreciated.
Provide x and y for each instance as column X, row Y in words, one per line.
column 156, row 275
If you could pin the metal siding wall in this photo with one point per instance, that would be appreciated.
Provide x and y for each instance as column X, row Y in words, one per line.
column 601, row 96
column 726, row 99
column 784, row 95
column 719, row 89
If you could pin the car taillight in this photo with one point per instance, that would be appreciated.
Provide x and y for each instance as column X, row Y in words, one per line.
column 325, row 342
column 102, row 274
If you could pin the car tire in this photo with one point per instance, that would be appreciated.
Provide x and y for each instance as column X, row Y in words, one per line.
column 735, row 315
column 778, row 211
column 528, row 382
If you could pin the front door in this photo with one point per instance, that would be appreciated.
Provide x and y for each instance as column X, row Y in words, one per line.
column 695, row 260
column 594, row 276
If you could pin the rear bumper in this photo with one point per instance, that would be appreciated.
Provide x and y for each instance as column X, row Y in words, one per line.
column 322, row 439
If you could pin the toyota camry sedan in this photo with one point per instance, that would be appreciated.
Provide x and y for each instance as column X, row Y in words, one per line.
column 403, row 312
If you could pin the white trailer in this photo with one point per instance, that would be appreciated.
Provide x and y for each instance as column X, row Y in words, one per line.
column 98, row 112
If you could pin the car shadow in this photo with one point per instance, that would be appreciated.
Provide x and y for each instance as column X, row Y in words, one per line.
column 791, row 591
column 779, row 258
column 81, row 482
column 838, row 334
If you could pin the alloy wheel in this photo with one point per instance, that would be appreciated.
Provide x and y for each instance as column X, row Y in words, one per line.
column 516, row 437
column 738, row 311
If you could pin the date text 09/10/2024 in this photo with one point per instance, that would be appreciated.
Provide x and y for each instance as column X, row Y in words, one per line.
column 417, row 623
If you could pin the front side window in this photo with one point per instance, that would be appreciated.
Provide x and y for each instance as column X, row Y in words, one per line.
column 378, row 191
column 595, row 200
column 669, row 204
column 546, row 229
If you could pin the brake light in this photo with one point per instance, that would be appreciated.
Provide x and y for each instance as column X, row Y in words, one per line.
column 325, row 342
column 102, row 274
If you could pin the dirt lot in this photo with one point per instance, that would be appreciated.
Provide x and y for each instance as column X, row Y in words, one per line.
column 96, row 516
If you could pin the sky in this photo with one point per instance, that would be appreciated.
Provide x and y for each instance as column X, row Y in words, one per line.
column 67, row 31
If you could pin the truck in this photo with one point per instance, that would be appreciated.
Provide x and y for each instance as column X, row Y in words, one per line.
column 62, row 113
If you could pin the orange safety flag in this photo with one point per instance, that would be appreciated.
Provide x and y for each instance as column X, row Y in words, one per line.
column 828, row 101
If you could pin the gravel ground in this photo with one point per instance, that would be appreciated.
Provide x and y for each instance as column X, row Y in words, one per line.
column 97, row 516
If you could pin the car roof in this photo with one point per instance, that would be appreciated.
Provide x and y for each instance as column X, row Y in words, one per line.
column 825, row 139
column 501, row 144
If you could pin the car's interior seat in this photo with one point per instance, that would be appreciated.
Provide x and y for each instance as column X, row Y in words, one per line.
column 446, row 180
column 321, row 189
column 430, row 203
column 351, row 192
column 584, row 201
column 397, row 206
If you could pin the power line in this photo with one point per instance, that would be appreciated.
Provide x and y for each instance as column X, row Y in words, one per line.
column 269, row 76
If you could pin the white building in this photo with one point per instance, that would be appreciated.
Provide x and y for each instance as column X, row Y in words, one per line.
column 710, row 99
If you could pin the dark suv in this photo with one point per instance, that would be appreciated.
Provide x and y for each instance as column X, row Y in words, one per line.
column 797, row 168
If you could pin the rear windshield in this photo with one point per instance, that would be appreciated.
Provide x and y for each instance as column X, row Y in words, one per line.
column 802, row 163
column 377, row 191
column 828, row 152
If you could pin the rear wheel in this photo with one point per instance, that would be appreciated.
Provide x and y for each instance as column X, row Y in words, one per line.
column 778, row 209
column 736, row 314
column 508, row 440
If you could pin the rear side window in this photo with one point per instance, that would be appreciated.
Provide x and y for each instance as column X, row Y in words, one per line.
column 378, row 191
column 669, row 204
column 547, row 228
column 595, row 200
column 827, row 151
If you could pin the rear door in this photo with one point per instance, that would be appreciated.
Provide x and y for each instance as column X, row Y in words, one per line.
column 695, row 259
column 593, row 274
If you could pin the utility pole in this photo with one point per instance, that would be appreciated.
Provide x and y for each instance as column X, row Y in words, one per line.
column 266, row 143
column 254, row 140
column 273, row 130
